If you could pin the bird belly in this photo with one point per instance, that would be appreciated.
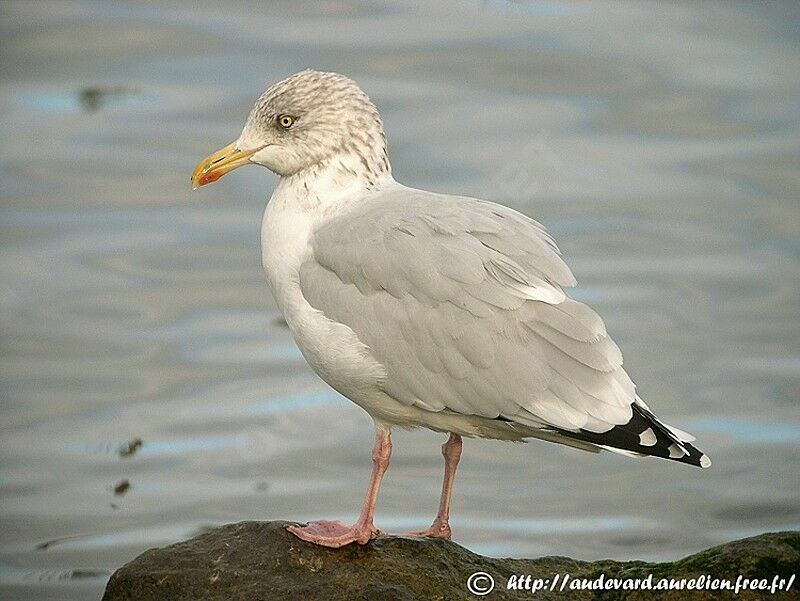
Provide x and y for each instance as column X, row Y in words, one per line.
column 333, row 350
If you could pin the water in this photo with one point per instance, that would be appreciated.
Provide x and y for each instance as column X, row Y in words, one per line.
column 661, row 148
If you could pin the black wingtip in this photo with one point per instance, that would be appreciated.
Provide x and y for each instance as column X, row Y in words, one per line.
column 644, row 434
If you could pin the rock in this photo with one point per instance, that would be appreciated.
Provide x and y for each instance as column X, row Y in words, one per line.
column 256, row 561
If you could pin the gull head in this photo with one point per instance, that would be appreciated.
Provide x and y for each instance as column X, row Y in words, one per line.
column 310, row 120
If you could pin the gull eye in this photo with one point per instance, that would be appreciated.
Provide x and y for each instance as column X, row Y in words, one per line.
column 285, row 121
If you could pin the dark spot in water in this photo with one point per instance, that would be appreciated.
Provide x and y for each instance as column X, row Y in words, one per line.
column 262, row 486
column 93, row 98
column 113, row 506
column 129, row 448
column 280, row 322
column 55, row 541
column 84, row 573
column 122, row 487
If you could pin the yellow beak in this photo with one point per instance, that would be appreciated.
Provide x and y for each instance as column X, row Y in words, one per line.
column 214, row 166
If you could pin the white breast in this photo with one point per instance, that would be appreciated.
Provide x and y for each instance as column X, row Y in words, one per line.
column 332, row 349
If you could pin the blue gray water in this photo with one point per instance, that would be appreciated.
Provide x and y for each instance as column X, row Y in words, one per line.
column 660, row 143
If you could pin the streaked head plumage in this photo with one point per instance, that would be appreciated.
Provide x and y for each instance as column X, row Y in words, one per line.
column 312, row 117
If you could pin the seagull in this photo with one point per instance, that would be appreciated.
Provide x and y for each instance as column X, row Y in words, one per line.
column 425, row 309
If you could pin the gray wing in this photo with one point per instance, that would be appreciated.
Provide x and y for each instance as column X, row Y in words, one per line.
column 462, row 301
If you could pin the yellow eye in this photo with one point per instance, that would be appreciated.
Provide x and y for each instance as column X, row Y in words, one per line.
column 285, row 121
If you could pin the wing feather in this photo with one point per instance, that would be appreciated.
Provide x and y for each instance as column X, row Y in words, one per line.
column 462, row 302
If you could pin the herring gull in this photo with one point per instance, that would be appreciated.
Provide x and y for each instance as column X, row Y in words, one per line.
column 426, row 309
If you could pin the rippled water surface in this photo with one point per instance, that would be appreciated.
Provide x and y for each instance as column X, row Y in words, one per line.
column 149, row 388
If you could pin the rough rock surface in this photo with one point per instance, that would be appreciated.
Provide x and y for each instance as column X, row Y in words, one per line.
column 257, row 561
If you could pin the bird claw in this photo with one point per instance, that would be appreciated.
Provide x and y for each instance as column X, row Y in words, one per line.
column 333, row 533
column 436, row 530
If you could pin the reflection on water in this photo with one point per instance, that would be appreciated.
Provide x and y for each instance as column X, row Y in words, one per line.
column 149, row 387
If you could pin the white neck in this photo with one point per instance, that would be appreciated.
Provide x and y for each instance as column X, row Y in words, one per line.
column 329, row 186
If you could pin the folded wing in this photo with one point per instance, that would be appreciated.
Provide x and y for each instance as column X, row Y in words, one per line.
column 462, row 301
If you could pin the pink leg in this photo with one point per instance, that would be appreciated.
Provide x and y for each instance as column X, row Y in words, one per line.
column 336, row 534
column 451, row 450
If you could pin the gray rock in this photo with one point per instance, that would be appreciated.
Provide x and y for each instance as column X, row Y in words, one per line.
column 256, row 561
